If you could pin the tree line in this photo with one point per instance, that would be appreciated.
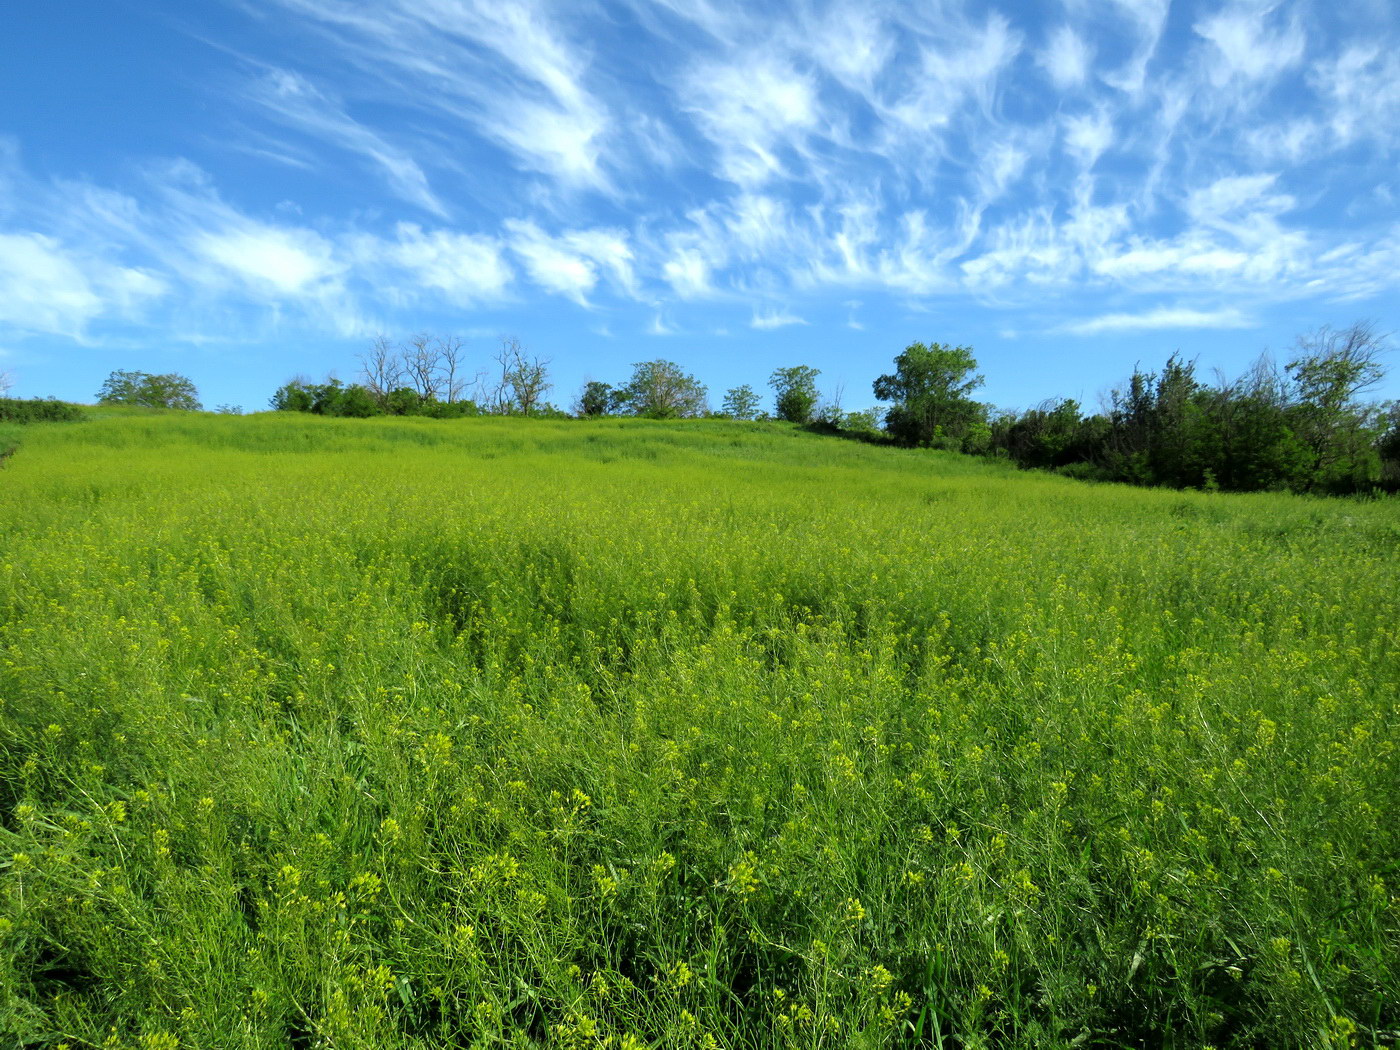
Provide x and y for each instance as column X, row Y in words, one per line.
column 1302, row 427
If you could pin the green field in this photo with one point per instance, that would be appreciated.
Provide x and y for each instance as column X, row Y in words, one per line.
column 337, row 733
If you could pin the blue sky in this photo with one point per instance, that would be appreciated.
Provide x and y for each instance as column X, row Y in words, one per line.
column 249, row 190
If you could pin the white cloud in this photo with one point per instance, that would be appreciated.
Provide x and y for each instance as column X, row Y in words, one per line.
column 754, row 154
column 1088, row 136
column 1066, row 59
column 771, row 319
column 1235, row 194
column 688, row 273
column 47, row 287
column 751, row 111
column 464, row 268
column 1242, row 45
column 1195, row 256
column 851, row 42
column 499, row 66
column 552, row 267
column 276, row 260
column 1147, row 18
column 998, row 168
column 568, row 263
column 608, row 248
column 964, row 67
column 1161, row 317
column 1291, row 140
column 1362, row 89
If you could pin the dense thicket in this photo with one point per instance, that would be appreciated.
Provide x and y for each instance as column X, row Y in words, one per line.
column 331, row 397
column 38, row 410
column 1302, row 427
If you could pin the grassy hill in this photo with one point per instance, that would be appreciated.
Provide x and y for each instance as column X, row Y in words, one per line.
column 389, row 733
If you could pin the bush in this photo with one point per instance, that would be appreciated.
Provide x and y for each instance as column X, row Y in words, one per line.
column 36, row 410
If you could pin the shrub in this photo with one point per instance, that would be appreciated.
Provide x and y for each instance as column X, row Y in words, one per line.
column 37, row 410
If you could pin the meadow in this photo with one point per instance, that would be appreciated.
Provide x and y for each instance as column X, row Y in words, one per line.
column 492, row 732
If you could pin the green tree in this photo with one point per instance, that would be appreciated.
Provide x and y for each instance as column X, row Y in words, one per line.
column 357, row 402
column 293, row 396
column 663, row 390
column 1388, row 446
column 403, row 401
column 930, row 387
column 168, row 390
column 741, row 402
column 596, row 399
column 795, row 392
column 1329, row 369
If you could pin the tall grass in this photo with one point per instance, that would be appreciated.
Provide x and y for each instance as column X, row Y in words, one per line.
column 390, row 733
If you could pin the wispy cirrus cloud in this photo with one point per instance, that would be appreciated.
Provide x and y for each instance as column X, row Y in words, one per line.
column 1244, row 43
column 1146, row 20
column 1161, row 317
column 293, row 100
column 753, row 111
column 1066, row 58
column 503, row 68
column 672, row 157
column 767, row 320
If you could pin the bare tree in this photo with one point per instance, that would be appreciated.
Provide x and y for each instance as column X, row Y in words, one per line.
column 7, row 380
column 522, row 383
column 451, row 359
column 421, row 359
column 830, row 411
column 382, row 367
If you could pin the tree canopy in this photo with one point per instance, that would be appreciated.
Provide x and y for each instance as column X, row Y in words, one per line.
column 169, row 390
column 795, row 391
column 663, row 390
column 930, row 387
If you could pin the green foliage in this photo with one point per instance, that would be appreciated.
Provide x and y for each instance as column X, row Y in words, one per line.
column 1302, row 429
column 462, row 409
column 403, row 401
column 168, row 390
column 681, row 734
column 38, row 410
column 1388, row 446
column 741, row 402
column 930, row 387
column 795, row 393
column 296, row 395
column 662, row 390
column 1051, row 435
column 333, row 398
column 865, row 422
column 596, row 399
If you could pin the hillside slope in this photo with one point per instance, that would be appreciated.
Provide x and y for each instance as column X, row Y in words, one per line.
column 509, row 733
